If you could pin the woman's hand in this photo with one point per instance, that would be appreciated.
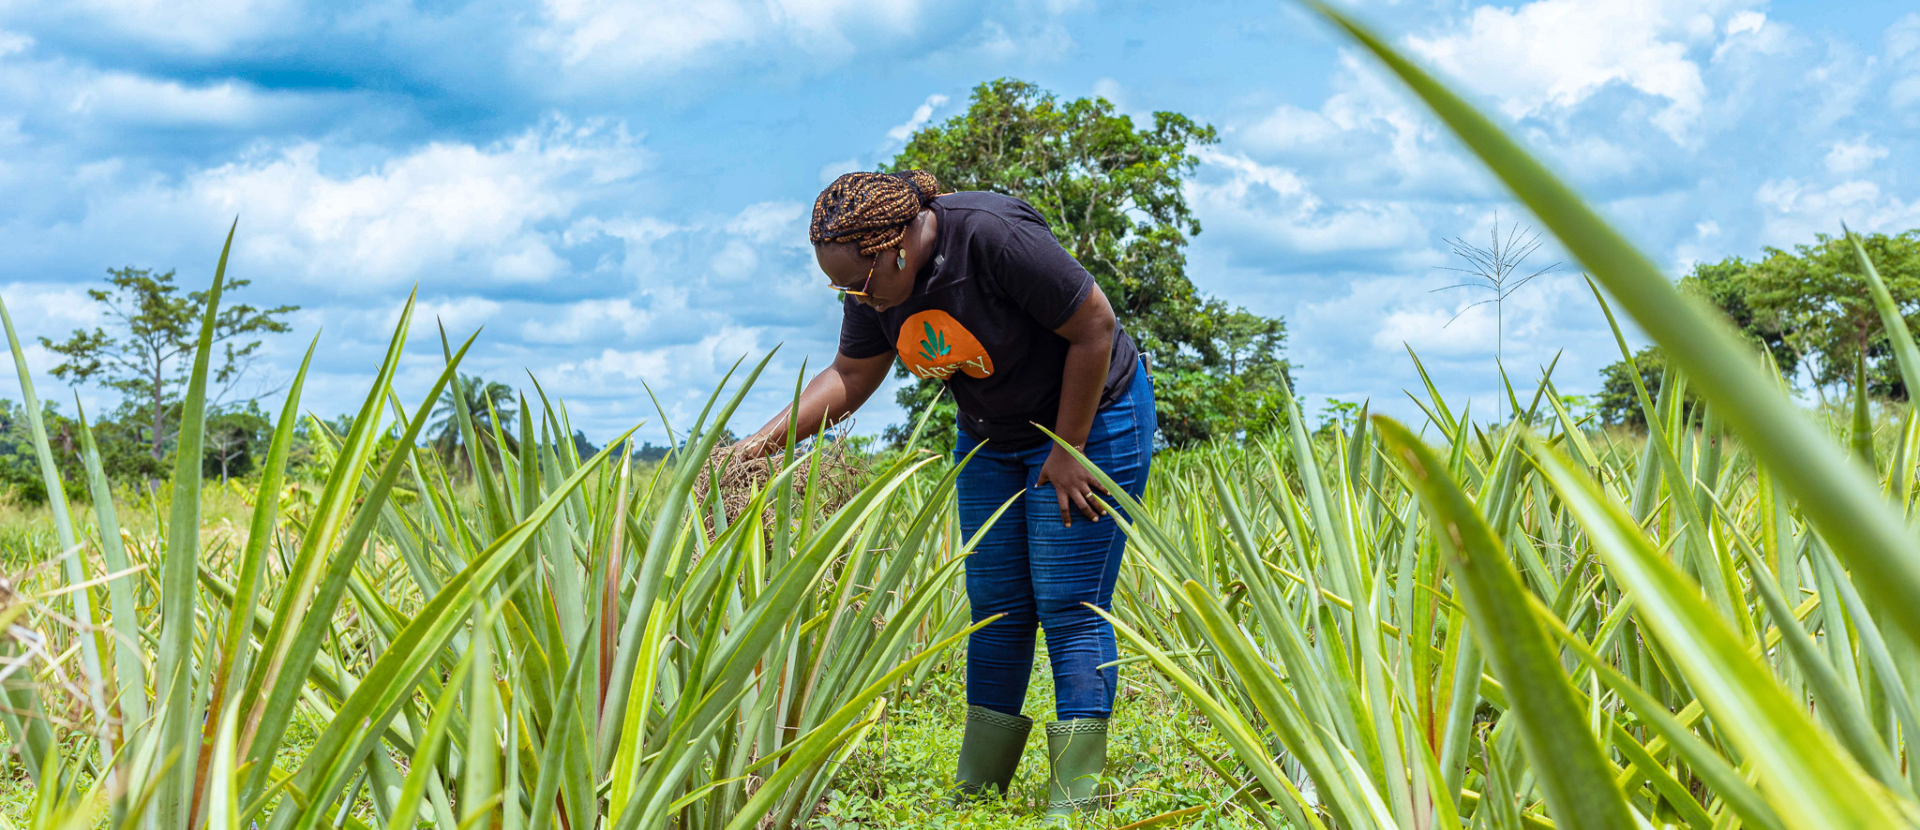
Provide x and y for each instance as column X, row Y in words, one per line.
column 1072, row 482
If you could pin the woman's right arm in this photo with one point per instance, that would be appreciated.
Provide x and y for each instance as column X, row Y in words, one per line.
column 829, row 398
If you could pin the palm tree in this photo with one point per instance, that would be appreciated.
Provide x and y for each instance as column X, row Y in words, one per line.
column 485, row 400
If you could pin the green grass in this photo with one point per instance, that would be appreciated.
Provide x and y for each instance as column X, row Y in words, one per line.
column 1439, row 625
column 27, row 530
column 901, row 779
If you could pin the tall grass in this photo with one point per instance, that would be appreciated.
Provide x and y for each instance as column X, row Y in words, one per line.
column 1512, row 630
column 558, row 643
column 1440, row 626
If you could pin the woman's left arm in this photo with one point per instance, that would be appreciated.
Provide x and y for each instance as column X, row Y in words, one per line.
column 1089, row 334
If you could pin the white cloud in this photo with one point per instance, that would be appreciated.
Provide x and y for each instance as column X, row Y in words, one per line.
column 202, row 27
column 682, row 374
column 123, row 97
column 997, row 43
column 896, row 137
column 835, row 169
column 1793, row 211
column 1905, row 92
column 1746, row 20
column 1437, row 331
column 657, row 38
column 1555, row 54
column 588, row 320
column 1366, row 135
column 1854, row 156
column 635, row 35
column 1271, row 206
column 60, row 95
column 482, row 210
column 460, row 315
column 1903, row 37
column 13, row 43
column 922, row 115
column 1903, row 51
column 1290, row 128
column 771, row 223
column 55, row 308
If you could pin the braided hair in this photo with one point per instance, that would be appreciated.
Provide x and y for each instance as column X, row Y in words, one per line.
column 871, row 210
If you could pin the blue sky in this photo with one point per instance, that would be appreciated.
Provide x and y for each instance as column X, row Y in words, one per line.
column 617, row 191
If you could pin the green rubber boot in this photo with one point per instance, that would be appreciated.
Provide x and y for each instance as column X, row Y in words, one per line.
column 989, row 753
column 1077, row 750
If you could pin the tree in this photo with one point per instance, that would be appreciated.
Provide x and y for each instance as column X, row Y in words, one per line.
column 236, row 437
column 485, row 400
column 1816, row 299
column 149, row 354
column 1619, row 403
column 1728, row 284
column 1754, row 306
column 1241, row 392
column 122, row 454
column 1113, row 195
column 1338, row 415
column 20, row 462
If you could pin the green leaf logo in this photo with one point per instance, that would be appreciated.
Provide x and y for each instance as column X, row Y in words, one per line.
column 934, row 345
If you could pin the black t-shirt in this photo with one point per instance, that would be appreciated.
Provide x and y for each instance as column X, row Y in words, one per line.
column 982, row 316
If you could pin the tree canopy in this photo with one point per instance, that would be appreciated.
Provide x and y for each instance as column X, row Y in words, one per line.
column 1112, row 192
column 485, row 400
column 1807, row 309
column 1814, row 300
column 149, row 352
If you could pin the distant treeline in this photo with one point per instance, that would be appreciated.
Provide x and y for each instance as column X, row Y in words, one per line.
column 1807, row 310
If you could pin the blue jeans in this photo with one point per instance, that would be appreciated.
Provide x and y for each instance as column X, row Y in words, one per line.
column 1039, row 572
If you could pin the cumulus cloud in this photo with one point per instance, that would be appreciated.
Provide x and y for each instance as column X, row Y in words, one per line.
column 1437, row 331
column 484, row 209
column 1746, row 20
column 1854, row 156
column 12, row 43
column 896, row 138
column 1364, row 117
column 1795, row 210
column 55, row 307
column 922, row 115
column 456, row 314
column 1352, row 343
column 587, row 320
column 656, row 38
column 138, row 100
column 1557, row 53
column 1903, row 37
column 1903, row 51
column 413, row 146
column 203, row 27
column 1273, row 209
column 85, row 104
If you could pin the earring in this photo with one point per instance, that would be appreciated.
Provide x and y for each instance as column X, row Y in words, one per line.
column 900, row 262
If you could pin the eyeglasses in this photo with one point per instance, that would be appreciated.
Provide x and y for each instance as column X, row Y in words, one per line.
column 863, row 286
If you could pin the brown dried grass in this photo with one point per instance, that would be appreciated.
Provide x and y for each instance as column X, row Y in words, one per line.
column 835, row 475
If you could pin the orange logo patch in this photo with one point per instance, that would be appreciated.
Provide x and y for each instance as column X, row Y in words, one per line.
column 934, row 345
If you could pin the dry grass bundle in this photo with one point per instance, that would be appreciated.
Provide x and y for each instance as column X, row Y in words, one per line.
column 835, row 475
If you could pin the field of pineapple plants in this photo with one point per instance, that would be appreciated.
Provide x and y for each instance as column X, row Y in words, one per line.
column 1442, row 623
